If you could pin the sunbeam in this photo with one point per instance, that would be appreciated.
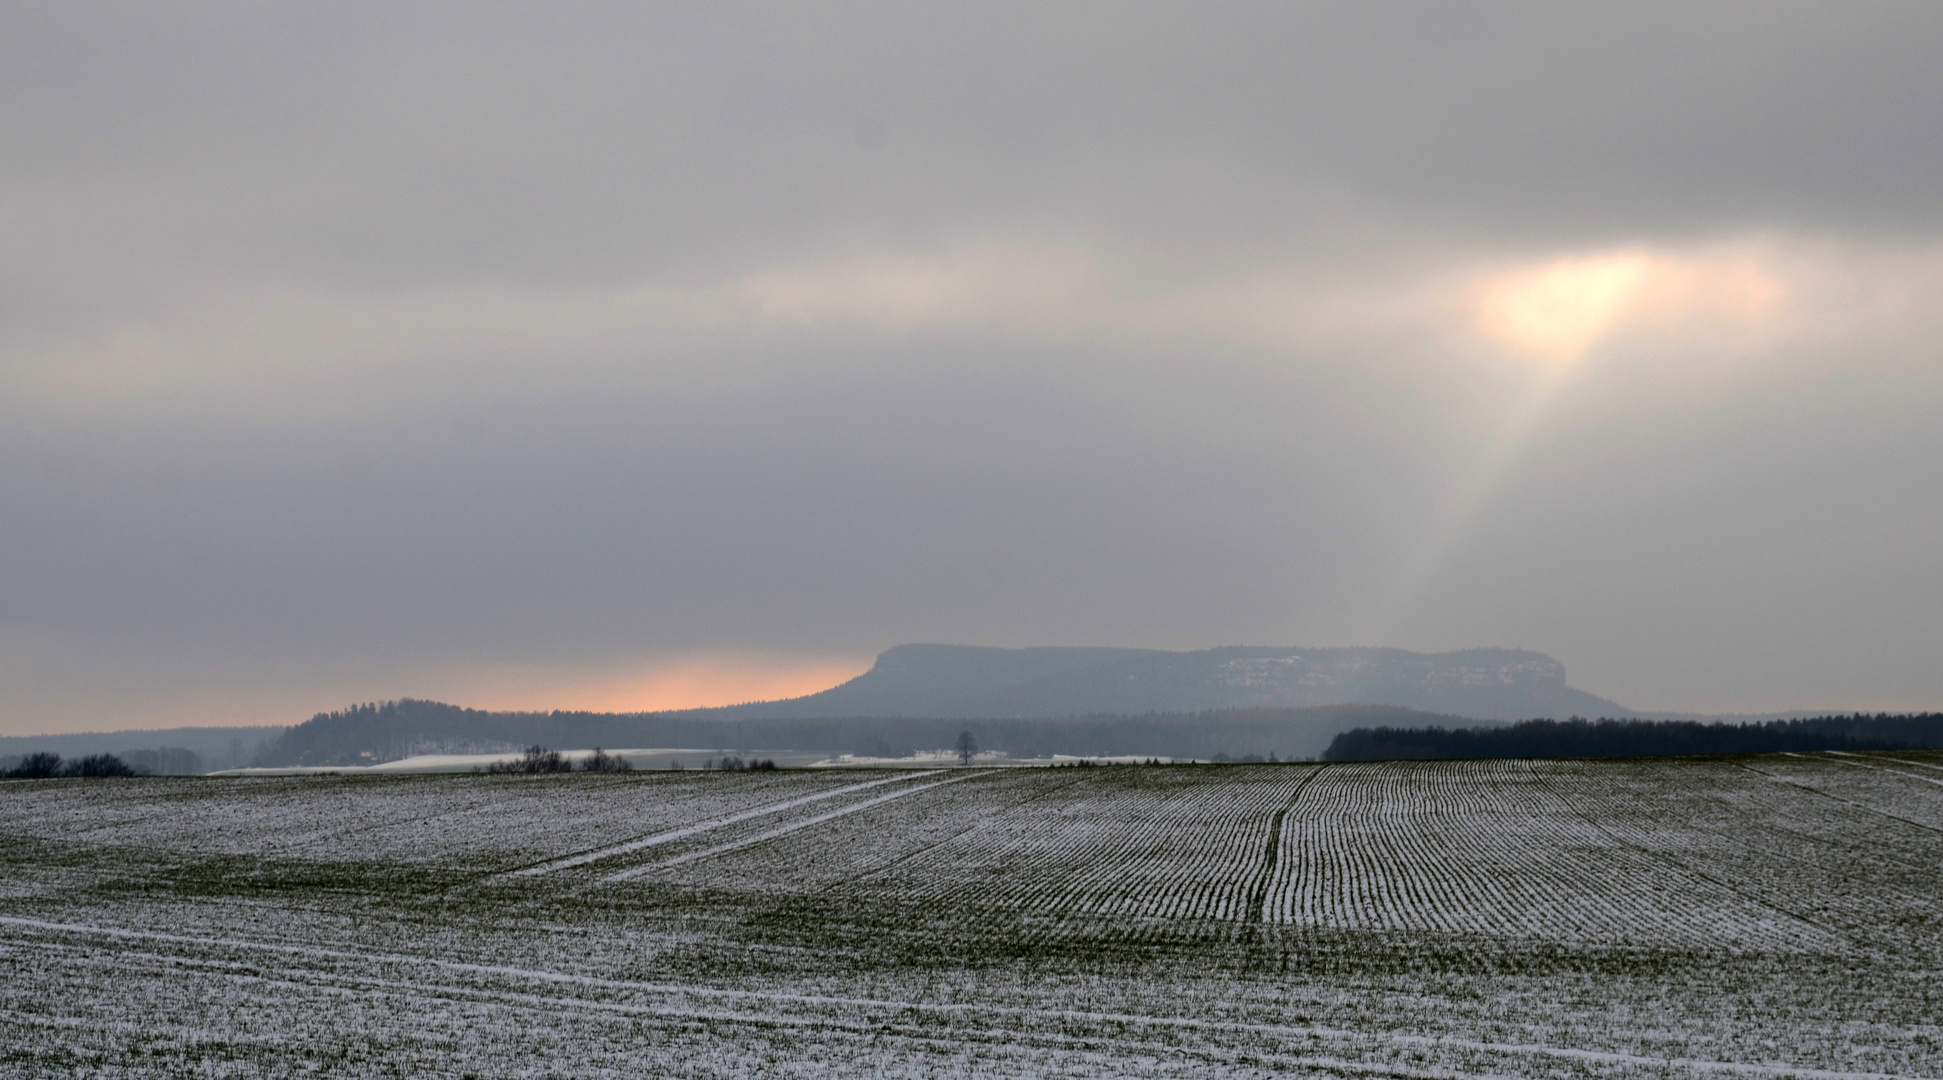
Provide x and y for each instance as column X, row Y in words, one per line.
column 1453, row 519
column 1552, row 317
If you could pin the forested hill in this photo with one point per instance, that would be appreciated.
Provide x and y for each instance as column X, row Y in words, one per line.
column 1639, row 738
column 368, row 734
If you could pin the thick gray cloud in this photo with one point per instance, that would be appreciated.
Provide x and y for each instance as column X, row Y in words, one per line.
column 354, row 352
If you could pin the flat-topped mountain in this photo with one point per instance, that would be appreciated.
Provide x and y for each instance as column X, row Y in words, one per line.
column 952, row 681
column 1025, row 702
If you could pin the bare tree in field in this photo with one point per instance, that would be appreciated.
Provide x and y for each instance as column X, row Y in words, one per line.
column 536, row 759
column 601, row 761
column 967, row 747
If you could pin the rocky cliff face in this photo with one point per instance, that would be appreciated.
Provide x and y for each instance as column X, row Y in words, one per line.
column 965, row 681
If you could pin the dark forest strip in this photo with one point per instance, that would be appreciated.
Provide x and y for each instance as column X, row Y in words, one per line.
column 1579, row 738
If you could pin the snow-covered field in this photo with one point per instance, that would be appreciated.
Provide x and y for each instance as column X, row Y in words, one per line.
column 1766, row 916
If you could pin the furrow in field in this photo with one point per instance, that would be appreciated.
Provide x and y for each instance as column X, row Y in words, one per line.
column 785, row 829
column 1911, row 757
column 440, row 978
column 1787, row 847
column 1880, row 764
column 1039, row 842
column 1706, row 829
column 1624, row 918
column 1106, row 1043
column 844, row 856
column 469, row 822
column 685, row 832
column 1891, row 792
column 1477, row 848
column 1158, row 845
column 1878, row 885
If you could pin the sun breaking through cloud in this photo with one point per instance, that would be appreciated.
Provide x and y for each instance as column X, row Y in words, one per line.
column 1561, row 309
column 1728, row 300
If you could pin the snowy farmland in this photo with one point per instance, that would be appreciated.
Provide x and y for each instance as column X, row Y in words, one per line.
column 1764, row 916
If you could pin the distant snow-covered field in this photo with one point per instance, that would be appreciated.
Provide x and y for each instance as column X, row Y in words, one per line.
column 675, row 758
column 1764, row 916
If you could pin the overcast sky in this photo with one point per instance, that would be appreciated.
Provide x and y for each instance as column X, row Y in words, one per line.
column 618, row 356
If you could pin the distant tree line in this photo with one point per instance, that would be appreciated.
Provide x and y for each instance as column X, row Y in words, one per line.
column 538, row 759
column 734, row 763
column 165, row 761
column 1581, row 738
column 42, row 766
column 386, row 731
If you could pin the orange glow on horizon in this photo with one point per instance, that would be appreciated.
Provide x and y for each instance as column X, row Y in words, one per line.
column 691, row 683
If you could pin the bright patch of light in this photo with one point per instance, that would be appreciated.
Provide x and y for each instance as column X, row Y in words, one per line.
column 1560, row 310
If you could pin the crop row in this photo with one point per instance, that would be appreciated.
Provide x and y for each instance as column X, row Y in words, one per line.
column 818, row 856
column 1468, row 848
column 1822, row 852
column 1803, row 856
column 1704, row 854
column 1906, row 787
column 1118, row 843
